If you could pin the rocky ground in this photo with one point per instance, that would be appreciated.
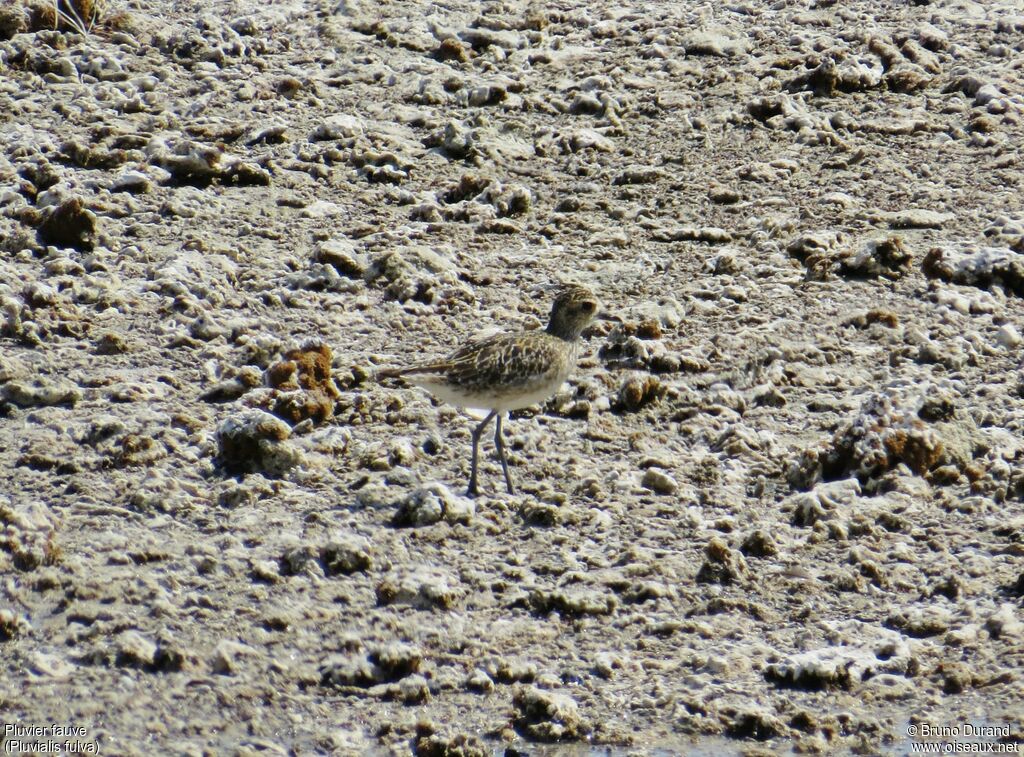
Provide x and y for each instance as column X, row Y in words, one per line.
column 778, row 507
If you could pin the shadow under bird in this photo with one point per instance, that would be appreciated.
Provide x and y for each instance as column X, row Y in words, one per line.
column 508, row 371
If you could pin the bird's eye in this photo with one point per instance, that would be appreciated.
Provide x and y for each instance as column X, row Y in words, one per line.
column 588, row 306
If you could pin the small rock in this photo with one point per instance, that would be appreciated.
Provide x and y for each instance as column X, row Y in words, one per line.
column 425, row 587
column 254, row 441
column 340, row 126
column 722, row 565
column 135, row 650
column 917, row 218
column 413, row 689
column 346, row 556
column 976, row 266
column 759, row 543
column 301, row 560
column 13, row 625
column 640, row 390
column 68, row 224
column 1008, row 336
column 572, row 602
column 1004, row 623
column 478, row 680
column 226, row 654
column 40, row 393
column 134, row 182
column 341, row 253
column 548, row 716
column 659, row 481
column 431, row 503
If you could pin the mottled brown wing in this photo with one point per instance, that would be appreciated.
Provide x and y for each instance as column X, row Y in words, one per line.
column 504, row 361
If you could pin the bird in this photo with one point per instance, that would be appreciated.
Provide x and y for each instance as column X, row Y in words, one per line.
column 507, row 371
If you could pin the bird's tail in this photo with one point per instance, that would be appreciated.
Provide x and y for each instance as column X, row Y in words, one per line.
column 386, row 373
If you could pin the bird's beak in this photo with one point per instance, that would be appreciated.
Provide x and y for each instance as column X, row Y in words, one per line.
column 604, row 315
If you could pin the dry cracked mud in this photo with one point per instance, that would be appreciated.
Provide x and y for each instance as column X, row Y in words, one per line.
column 777, row 508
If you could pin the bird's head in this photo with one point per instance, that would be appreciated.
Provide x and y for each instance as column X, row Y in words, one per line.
column 573, row 310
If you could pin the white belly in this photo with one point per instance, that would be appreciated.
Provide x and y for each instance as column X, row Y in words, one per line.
column 489, row 401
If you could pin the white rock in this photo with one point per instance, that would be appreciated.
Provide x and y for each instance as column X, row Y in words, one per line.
column 986, row 93
column 338, row 127
column 1008, row 336
column 226, row 654
column 321, row 209
column 1005, row 622
column 51, row 666
column 659, row 481
column 135, row 182
column 432, row 502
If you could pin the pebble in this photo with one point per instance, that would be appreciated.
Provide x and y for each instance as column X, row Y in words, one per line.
column 917, row 218
column 227, row 656
column 424, row 588
column 722, row 564
column 479, row 681
column 12, row 625
column 255, row 441
column 1005, row 623
column 347, row 555
column 134, row 182
column 972, row 265
column 548, row 716
column 40, row 393
column 432, row 503
column 135, row 650
column 659, row 481
column 1007, row 336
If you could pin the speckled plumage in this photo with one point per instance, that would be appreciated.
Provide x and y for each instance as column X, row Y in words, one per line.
column 503, row 372
column 508, row 371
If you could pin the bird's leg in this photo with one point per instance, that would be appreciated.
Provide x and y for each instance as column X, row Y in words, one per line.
column 500, row 444
column 477, row 433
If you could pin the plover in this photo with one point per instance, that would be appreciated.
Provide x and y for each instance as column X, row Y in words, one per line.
column 508, row 371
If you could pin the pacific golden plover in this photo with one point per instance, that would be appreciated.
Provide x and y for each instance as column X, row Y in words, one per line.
column 508, row 371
